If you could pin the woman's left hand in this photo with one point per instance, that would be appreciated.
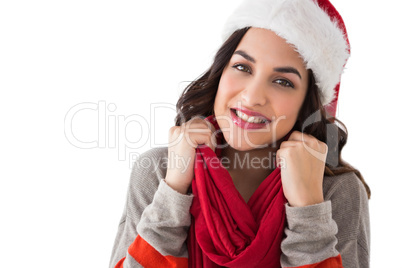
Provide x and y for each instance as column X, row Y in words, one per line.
column 302, row 161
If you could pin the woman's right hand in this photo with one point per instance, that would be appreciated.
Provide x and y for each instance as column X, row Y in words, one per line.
column 183, row 140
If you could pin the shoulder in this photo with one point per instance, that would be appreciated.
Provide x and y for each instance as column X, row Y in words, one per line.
column 347, row 183
column 349, row 203
column 153, row 160
column 155, row 152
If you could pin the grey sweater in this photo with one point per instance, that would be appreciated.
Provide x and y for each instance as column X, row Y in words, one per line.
column 160, row 215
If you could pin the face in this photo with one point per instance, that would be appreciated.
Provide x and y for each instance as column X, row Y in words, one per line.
column 266, row 80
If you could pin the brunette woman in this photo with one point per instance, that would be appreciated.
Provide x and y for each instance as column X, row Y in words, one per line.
column 253, row 175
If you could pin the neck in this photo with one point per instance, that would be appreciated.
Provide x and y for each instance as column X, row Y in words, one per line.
column 261, row 159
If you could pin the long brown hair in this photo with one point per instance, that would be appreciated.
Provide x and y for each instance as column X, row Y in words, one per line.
column 198, row 99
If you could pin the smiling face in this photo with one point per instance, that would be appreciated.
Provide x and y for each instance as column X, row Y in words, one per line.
column 265, row 78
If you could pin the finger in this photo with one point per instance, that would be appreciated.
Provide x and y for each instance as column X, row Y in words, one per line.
column 199, row 120
column 323, row 148
column 200, row 138
column 200, row 123
column 281, row 157
column 296, row 136
column 210, row 145
column 206, row 140
column 312, row 142
column 301, row 136
column 175, row 136
column 203, row 128
column 307, row 140
column 277, row 159
column 286, row 144
column 210, row 141
column 199, row 128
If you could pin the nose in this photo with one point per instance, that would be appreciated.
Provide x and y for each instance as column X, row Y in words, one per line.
column 255, row 93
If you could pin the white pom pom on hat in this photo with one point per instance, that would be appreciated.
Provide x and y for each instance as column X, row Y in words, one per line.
column 313, row 27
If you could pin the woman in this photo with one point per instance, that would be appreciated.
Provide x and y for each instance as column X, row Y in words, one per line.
column 253, row 175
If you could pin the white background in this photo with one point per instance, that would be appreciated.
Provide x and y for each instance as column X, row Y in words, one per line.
column 60, row 204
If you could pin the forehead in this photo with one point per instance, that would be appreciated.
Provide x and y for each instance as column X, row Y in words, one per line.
column 267, row 47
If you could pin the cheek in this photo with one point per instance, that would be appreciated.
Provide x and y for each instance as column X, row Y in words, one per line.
column 289, row 107
column 228, row 84
column 227, row 89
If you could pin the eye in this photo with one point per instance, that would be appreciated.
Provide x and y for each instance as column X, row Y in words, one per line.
column 242, row 68
column 284, row 83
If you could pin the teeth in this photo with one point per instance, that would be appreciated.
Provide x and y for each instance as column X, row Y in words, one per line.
column 251, row 119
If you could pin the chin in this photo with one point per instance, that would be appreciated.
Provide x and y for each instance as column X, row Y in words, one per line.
column 243, row 145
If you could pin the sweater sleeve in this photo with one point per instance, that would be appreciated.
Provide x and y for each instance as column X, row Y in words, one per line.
column 350, row 210
column 335, row 233
column 153, row 229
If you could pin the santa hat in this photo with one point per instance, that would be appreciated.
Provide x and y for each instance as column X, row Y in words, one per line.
column 313, row 27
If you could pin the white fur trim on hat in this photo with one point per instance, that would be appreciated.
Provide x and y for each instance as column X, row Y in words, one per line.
column 302, row 23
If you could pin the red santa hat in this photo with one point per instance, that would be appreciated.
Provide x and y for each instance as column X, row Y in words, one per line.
column 313, row 27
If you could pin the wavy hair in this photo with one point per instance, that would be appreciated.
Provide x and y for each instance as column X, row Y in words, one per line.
column 198, row 99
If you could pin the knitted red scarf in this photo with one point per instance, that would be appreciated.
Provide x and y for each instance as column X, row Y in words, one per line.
column 225, row 230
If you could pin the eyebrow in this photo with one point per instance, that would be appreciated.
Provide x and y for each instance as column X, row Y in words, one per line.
column 245, row 55
column 286, row 69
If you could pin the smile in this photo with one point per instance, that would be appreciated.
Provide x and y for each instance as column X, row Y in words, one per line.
column 248, row 122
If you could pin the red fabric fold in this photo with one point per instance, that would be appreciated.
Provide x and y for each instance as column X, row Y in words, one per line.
column 225, row 230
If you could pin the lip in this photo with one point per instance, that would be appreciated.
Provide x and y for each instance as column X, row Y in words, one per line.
column 246, row 125
column 252, row 113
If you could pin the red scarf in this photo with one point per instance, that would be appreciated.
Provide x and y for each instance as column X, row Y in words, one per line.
column 225, row 230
